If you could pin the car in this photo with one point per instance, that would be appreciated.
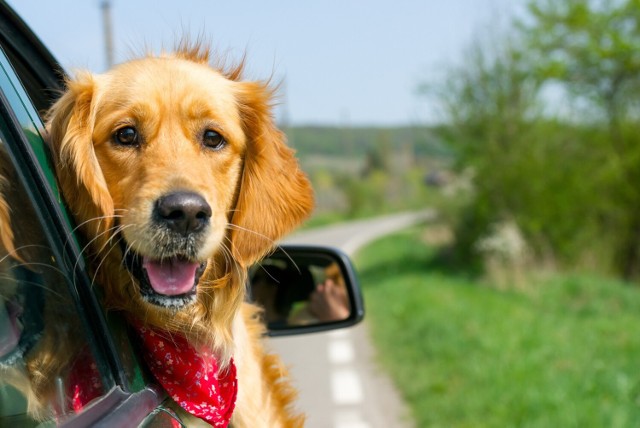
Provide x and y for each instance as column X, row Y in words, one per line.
column 48, row 298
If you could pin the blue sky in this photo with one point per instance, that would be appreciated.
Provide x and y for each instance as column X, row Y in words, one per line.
column 344, row 62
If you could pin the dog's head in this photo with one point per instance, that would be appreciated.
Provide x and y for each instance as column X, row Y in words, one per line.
column 175, row 170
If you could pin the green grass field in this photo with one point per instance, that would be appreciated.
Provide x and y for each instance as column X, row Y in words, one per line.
column 564, row 354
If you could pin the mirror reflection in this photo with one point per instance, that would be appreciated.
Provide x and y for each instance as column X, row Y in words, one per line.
column 300, row 290
column 48, row 371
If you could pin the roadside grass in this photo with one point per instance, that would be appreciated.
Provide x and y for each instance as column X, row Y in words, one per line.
column 463, row 354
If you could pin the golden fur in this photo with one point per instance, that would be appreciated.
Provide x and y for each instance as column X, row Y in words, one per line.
column 254, row 186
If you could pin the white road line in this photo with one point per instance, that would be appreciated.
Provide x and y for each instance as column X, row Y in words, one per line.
column 349, row 419
column 341, row 351
column 346, row 387
column 346, row 384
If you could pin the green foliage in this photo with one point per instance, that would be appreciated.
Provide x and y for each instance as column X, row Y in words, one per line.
column 490, row 101
column 358, row 141
column 569, row 183
column 592, row 46
column 466, row 355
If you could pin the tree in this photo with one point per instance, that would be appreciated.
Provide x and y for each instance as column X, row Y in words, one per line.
column 490, row 103
column 565, row 184
column 592, row 48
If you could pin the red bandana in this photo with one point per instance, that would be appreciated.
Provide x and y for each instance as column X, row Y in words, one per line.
column 191, row 378
column 84, row 383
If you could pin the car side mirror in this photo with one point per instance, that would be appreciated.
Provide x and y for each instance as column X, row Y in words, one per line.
column 305, row 289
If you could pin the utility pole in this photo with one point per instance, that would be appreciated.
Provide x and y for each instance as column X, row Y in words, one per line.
column 108, row 33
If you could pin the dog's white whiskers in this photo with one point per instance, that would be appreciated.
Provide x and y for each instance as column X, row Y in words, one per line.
column 98, row 236
column 100, row 218
column 105, row 256
column 253, row 232
column 228, row 255
column 127, row 250
column 90, row 243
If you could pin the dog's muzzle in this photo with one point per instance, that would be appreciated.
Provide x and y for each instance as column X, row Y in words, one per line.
column 170, row 280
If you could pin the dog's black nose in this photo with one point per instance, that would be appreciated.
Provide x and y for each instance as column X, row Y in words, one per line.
column 183, row 212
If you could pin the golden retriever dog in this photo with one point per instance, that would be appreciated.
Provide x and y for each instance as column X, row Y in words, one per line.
column 179, row 180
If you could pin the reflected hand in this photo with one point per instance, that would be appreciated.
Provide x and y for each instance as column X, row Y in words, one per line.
column 329, row 302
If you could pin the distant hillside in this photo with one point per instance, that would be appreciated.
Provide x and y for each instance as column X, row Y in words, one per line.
column 357, row 142
column 363, row 171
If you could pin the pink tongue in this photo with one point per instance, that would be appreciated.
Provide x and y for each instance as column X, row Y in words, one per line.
column 170, row 276
column 9, row 330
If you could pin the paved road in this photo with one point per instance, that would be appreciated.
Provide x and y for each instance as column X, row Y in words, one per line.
column 340, row 383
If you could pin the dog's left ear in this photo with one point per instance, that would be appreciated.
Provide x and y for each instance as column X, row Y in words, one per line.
column 275, row 195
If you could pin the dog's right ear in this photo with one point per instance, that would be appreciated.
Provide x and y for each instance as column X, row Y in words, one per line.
column 70, row 125
column 275, row 195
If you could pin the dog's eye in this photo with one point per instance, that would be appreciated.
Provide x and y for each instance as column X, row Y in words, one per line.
column 213, row 140
column 127, row 136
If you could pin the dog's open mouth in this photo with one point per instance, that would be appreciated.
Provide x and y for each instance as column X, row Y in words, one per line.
column 169, row 282
column 10, row 330
column 21, row 320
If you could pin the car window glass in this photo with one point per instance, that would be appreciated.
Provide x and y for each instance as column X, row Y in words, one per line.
column 48, row 364
column 47, row 367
